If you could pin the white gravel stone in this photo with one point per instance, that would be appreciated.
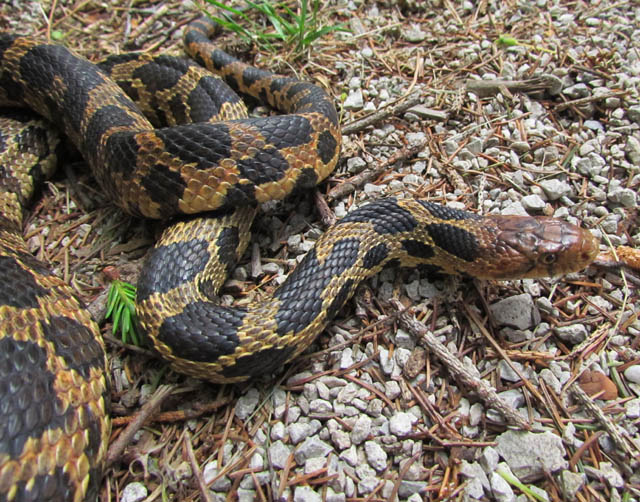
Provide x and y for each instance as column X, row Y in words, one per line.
column 346, row 358
column 408, row 488
column 570, row 483
column 633, row 112
column 611, row 474
column 551, row 380
column 401, row 424
column 516, row 311
column 376, row 456
column 333, row 496
column 356, row 164
column 314, row 464
column 348, row 393
column 134, row 492
column 341, row 439
column 278, row 431
column 513, row 397
column 320, row 406
column 572, row 334
column 367, row 485
column 350, row 456
column 372, row 189
column 209, row 472
column 533, row 203
column 473, row 470
column 554, row 188
column 489, row 459
column 311, row 447
column 392, row 389
column 626, row 197
column 247, row 403
column 246, row 495
column 414, row 34
column 529, row 455
column 354, row 101
column 501, row 490
column 632, row 408
column 298, row 432
column 476, row 412
column 361, row 429
column 303, row 493
column 415, row 138
column 279, row 454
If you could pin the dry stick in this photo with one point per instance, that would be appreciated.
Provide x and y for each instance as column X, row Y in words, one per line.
column 179, row 415
column 118, row 446
column 473, row 317
column 609, row 426
column 148, row 22
column 401, row 475
column 386, row 112
column 202, row 486
column 485, row 88
column 326, row 215
column 484, row 390
column 575, row 458
column 590, row 99
column 357, row 181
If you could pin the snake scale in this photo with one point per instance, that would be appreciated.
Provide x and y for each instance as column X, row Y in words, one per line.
column 200, row 153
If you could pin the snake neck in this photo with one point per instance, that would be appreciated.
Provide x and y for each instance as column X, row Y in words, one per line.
column 236, row 343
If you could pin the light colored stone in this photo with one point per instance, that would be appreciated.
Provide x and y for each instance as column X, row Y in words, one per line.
column 501, row 490
column 517, row 311
column 279, row 454
column 134, row 492
column 376, row 456
column 401, row 424
column 529, row 455
column 361, row 429
column 247, row 403
column 311, row 447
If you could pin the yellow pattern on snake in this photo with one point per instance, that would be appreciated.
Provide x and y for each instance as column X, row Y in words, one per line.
column 53, row 389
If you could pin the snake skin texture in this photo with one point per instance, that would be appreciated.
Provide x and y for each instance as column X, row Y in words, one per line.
column 165, row 139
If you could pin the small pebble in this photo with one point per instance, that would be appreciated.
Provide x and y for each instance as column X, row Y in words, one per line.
column 632, row 373
column 134, row 492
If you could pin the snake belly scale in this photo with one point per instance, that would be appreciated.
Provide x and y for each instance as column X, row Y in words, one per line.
column 53, row 388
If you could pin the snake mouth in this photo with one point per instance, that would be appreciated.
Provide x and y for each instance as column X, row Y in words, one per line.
column 585, row 249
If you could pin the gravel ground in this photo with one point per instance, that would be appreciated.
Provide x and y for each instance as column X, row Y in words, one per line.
column 368, row 413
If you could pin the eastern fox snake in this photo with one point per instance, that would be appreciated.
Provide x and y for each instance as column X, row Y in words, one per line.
column 53, row 389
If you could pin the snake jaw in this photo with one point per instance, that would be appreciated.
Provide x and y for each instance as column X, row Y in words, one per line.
column 544, row 247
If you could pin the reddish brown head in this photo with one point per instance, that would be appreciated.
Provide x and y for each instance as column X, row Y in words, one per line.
column 536, row 247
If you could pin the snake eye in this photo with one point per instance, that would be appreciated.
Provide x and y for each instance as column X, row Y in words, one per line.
column 548, row 258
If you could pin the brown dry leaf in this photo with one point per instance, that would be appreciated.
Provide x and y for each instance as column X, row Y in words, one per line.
column 594, row 382
column 415, row 363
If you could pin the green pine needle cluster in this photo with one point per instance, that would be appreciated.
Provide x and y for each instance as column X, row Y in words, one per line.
column 121, row 309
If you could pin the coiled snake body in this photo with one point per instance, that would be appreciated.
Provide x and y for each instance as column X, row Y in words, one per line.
column 53, row 389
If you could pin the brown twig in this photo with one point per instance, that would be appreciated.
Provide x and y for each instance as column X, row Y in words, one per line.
column 350, row 186
column 118, row 446
column 487, row 393
column 202, row 486
column 484, row 88
column 326, row 215
column 581, row 396
column 180, row 415
column 383, row 113
column 590, row 99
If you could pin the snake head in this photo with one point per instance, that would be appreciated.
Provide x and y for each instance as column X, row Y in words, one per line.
column 543, row 247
